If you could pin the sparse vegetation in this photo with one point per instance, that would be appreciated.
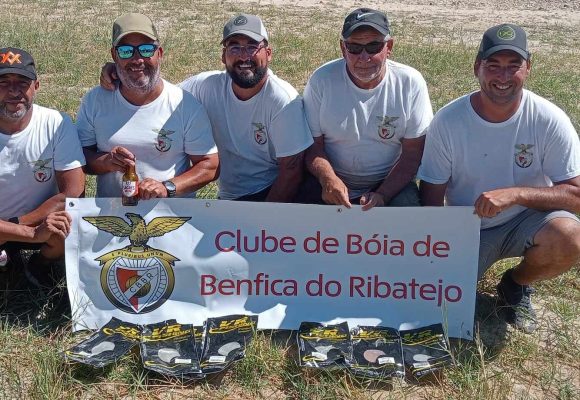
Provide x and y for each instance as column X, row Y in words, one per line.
column 70, row 40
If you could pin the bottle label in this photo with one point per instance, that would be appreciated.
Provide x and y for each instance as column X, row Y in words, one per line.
column 129, row 188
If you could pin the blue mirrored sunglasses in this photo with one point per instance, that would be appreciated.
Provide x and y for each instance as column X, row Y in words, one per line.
column 126, row 51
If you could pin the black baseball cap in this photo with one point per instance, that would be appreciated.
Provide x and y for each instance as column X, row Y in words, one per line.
column 17, row 61
column 365, row 17
column 504, row 37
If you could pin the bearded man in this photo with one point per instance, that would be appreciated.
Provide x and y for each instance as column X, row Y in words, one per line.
column 145, row 122
column 40, row 165
column 257, row 118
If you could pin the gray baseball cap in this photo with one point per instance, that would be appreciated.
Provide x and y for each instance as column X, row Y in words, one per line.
column 247, row 25
column 133, row 23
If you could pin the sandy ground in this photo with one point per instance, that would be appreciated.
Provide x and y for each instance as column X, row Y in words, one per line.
column 469, row 17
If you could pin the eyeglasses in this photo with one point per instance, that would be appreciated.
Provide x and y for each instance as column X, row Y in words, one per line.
column 370, row 48
column 251, row 49
column 126, row 51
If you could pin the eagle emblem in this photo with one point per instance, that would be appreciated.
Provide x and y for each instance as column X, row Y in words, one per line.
column 163, row 140
column 42, row 170
column 386, row 127
column 137, row 278
column 524, row 157
column 260, row 135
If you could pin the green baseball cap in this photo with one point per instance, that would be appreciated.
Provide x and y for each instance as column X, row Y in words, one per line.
column 133, row 23
column 504, row 37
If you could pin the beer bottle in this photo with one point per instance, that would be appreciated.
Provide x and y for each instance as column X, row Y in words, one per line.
column 130, row 184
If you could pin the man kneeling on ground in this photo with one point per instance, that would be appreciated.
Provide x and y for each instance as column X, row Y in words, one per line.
column 40, row 165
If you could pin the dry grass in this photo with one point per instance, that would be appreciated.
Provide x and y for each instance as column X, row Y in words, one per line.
column 70, row 40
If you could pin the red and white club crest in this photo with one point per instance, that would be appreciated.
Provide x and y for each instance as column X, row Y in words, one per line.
column 524, row 157
column 386, row 127
column 163, row 140
column 42, row 170
column 260, row 135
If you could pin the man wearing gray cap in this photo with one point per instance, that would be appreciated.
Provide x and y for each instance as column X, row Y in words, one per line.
column 516, row 157
column 257, row 118
column 368, row 115
column 145, row 122
column 40, row 165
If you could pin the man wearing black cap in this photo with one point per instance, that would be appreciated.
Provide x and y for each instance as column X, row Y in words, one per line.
column 146, row 122
column 516, row 157
column 40, row 165
column 257, row 118
column 368, row 115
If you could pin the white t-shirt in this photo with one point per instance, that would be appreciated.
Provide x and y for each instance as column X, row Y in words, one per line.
column 252, row 134
column 161, row 134
column 535, row 147
column 363, row 128
column 29, row 159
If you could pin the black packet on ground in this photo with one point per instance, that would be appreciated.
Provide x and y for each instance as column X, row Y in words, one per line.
column 376, row 352
column 323, row 346
column 226, row 340
column 425, row 350
column 169, row 348
column 107, row 345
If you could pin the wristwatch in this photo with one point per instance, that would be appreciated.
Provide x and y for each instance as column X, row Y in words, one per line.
column 170, row 187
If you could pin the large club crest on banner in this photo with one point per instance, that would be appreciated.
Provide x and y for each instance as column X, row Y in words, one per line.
column 137, row 278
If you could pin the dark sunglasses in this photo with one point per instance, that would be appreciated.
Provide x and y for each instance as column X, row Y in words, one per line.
column 370, row 48
column 126, row 51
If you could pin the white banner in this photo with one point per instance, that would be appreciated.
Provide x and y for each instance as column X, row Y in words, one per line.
column 193, row 259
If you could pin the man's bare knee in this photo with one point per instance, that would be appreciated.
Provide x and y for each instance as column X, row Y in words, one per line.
column 560, row 240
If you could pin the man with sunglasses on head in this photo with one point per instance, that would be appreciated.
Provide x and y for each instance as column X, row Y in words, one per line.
column 257, row 118
column 145, row 121
column 515, row 157
column 368, row 115
column 40, row 165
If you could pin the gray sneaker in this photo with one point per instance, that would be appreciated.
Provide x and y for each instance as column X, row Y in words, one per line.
column 518, row 303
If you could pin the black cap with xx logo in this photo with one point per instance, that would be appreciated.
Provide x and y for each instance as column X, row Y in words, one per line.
column 17, row 61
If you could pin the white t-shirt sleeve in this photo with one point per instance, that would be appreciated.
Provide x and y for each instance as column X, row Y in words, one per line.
column 421, row 111
column 191, row 85
column 436, row 162
column 68, row 153
column 312, row 103
column 198, row 134
column 289, row 130
column 85, row 125
column 561, row 158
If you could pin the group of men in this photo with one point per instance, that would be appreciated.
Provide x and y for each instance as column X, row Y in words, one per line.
column 361, row 133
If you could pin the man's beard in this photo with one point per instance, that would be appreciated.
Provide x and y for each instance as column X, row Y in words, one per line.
column 144, row 84
column 248, row 79
column 14, row 115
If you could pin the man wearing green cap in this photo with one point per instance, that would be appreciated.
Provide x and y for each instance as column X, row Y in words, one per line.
column 145, row 122
column 40, row 165
column 515, row 156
